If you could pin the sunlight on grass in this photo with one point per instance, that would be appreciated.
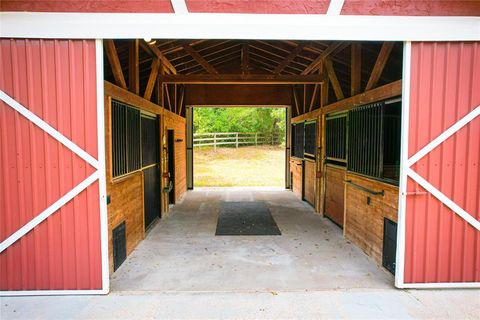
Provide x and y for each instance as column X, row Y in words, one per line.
column 245, row 166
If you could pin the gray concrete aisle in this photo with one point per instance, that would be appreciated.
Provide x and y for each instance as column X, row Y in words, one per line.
column 182, row 270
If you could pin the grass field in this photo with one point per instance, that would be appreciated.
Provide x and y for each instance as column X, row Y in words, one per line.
column 245, row 166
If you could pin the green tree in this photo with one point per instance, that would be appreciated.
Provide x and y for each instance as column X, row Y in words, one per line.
column 244, row 119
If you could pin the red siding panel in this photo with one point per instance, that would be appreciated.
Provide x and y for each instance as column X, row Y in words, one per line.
column 440, row 245
column 412, row 7
column 259, row 6
column 113, row 6
column 56, row 80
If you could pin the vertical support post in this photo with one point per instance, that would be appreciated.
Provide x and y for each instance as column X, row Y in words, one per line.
column 102, row 180
column 214, row 142
column 256, row 141
column 236, row 136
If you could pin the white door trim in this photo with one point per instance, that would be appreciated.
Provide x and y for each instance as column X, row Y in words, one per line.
column 237, row 26
column 400, row 257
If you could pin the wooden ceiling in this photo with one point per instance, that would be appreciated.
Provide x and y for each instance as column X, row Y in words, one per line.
column 256, row 57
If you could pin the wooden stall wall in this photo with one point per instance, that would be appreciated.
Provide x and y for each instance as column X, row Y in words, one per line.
column 177, row 123
column 309, row 181
column 126, row 193
column 335, row 193
column 296, row 169
column 363, row 221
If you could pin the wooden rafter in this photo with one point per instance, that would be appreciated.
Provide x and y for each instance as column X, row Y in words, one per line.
column 133, row 67
column 182, row 97
column 333, row 79
column 151, row 79
column 356, row 69
column 167, row 94
column 379, row 65
column 114, row 61
column 317, row 63
column 157, row 53
column 245, row 59
column 314, row 94
column 295, row 98
column 195, row 55
column 239, row 78
column 295, row 52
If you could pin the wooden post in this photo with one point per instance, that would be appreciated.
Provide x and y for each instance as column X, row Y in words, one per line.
column 214, row 142
column 237, row 139
column 256, row 143
column 273, row 135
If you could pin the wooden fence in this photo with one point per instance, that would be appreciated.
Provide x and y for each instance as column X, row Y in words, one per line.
column 234, row 139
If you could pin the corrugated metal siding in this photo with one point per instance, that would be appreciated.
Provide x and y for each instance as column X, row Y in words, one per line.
column 56, row 80
column 445, row 86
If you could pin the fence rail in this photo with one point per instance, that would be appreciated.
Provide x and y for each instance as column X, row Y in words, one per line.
column 234, row 138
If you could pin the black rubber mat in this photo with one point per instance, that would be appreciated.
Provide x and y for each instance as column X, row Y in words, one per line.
column 246, row 219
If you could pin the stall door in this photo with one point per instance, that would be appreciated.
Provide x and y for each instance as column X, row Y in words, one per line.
column 440, row 236
column 151, row 168
column 52, row 185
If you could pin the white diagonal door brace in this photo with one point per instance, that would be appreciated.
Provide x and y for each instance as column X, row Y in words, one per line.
column 428, row 186
column 48, row 212
column 48, row 129
column 9, row 101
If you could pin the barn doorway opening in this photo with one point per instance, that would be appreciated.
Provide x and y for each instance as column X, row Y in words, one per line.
column 336, row 168
column 239, row 146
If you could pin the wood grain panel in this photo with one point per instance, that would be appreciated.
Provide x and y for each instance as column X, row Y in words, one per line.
column 363, row 221
column 297, row 176
column 335, row 193
column 309, row 182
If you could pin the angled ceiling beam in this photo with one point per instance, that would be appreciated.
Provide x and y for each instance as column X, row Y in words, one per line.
column 195, row 55
column 333, row 79
column 379, row 65
column 157, row 53
column 151, row 79
column 245, row 58
column 239, row 78
column 133, row 67
column 295, row 52
column 112, row 57
column 356, row 69
column 317, row 63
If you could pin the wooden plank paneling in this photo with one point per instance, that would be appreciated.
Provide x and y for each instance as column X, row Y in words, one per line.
column 297, row 176
column 178, row 124
column 126, row 197
column 363, row 221
column 309, row 182
column 335, row 193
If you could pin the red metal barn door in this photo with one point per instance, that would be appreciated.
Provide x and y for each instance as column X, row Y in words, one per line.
column 441, row 174
column 51, row 172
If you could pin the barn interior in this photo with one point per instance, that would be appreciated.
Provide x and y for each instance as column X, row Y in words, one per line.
column 338, row 212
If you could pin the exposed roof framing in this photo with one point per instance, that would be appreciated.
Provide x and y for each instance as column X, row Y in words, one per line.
column 256, row 61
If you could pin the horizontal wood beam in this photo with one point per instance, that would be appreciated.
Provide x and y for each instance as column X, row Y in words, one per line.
column 242, row 78
column 391, row 90
column 387, row 91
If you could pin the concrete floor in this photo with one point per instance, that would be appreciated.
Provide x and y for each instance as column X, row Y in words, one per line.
column 181, row 270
